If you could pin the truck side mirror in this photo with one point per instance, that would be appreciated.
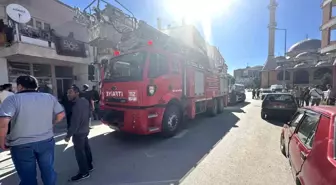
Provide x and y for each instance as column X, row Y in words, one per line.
column 91, row 72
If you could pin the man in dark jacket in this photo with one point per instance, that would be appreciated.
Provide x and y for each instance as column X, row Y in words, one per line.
column 87, row 94
column 79, row 131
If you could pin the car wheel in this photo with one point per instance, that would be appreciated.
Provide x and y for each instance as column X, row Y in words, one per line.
column 263, row 115
column 282, row 145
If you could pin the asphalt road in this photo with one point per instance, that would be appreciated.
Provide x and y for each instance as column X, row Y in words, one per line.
column 236, row 147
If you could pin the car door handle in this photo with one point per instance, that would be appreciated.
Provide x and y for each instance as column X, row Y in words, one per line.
column 303, row 155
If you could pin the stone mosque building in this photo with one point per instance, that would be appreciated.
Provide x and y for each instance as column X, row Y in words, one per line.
column 302, row 65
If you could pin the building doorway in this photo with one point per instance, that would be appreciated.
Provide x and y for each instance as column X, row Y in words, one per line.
column 62, row 86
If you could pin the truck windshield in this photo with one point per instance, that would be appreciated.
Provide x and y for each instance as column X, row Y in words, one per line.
column 239, row 88
column 128, row 67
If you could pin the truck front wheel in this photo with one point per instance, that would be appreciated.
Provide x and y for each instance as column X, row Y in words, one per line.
column 172, row 119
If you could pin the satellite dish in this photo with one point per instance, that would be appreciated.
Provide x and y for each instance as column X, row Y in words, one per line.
column 18, row 13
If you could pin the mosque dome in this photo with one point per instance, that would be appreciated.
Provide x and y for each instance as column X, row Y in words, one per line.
column 305, row 45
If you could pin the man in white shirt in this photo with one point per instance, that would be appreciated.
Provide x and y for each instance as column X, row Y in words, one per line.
column 316, row 95
column 330, row 96
column 6, row 91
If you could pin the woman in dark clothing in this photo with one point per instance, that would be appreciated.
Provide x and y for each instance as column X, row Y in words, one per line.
column 306, row 96
column 253, row 93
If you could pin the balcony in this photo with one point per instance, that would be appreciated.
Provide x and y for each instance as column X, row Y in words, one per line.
column 330, row 24
column 40, row 43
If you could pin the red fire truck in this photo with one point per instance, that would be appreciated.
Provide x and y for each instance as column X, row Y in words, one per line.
column 153, row 82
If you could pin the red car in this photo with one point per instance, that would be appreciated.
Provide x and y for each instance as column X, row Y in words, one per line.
column 308, row 141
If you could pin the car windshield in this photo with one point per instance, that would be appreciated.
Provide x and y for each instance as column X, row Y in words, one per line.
column 128, row 67
column 279, row 98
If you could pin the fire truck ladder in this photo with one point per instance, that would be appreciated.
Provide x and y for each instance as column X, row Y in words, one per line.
column 145, row 33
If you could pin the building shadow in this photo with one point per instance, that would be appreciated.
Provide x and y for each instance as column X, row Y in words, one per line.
column 130, row 159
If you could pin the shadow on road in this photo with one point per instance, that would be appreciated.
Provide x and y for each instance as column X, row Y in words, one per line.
column 145, row 159
column 237, row 108
column 277, row 121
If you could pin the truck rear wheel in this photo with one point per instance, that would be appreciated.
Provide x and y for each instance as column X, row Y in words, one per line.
column 220, row 105
column 213, row 110
column 171, row 121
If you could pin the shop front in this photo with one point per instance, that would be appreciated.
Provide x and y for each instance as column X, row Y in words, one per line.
column 53, row 79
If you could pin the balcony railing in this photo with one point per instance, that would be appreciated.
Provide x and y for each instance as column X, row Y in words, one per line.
column 66, row 46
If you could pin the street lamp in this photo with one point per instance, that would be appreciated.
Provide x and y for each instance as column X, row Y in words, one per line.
column 285, row 51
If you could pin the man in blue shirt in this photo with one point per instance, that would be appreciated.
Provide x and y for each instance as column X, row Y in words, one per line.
column 32, row 115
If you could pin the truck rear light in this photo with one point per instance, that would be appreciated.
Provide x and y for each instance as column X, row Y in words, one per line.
column 151, row 89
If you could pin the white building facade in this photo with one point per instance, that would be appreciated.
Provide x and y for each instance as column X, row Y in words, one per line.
column 52, row 46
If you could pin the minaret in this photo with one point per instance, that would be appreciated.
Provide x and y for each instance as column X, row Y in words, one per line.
column 271, row 28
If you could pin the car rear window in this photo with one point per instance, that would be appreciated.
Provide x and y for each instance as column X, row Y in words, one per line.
column 280, row 97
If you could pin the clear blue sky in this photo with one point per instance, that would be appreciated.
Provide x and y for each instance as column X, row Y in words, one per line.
column 239, row 31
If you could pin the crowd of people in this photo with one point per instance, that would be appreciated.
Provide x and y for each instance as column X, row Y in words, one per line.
column 313, row 96
column 306, row 96
column 26, row 128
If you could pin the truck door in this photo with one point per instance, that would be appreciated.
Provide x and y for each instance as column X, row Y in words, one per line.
column 158, row 77
column 301, row 141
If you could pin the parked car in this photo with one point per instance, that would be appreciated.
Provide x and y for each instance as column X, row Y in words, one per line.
column 264, row 92
column 308, row 141
column 278, row 104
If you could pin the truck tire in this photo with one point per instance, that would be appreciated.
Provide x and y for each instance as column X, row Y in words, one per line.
column 212, row 111
column 171, row 121
column 220, row 105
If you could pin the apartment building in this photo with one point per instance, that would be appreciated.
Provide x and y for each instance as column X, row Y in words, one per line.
column 52, row 46
column 328, row 26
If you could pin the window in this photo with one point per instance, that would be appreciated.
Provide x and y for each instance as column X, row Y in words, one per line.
column 306, row 131
column 158, row 66
column 16, row 69
column 296, row 120
column 42, row 70
column 125, row 68
column 38, row 24
column 63, row 72
column 280, row 98
column 46, row 26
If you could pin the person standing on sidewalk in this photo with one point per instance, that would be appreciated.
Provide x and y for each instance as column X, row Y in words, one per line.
column 316, row 95
column 31, row 140
column 79, row 131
